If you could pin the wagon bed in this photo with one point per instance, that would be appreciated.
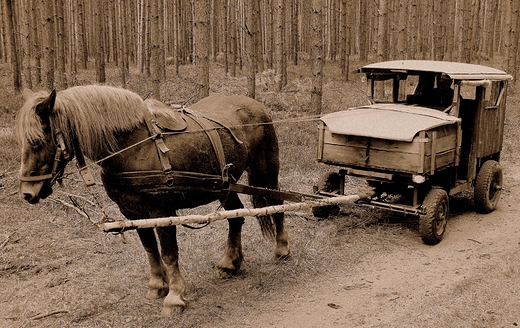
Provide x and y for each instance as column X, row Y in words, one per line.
column 412, row 140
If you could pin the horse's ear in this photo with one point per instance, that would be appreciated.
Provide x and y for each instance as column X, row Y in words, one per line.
column 27, row 94
column 45, row 107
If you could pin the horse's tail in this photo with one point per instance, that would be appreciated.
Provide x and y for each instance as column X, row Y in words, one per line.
column 266, row 221
column 264, row 173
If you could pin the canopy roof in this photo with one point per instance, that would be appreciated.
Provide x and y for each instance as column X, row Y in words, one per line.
column 456, row 71
column 386, row 121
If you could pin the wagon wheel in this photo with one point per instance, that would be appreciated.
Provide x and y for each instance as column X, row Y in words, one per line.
column 432, row 225
column 488, row 187
column 330, row 183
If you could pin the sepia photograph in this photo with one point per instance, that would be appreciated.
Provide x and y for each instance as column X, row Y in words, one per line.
column 259, row 163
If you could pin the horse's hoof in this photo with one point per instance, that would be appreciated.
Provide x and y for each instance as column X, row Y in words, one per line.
column 224, row 273
column 172, row 304
column 282, row 253
column 282, row 257
column 154, row 294
column 226, row 268
column 168, row 311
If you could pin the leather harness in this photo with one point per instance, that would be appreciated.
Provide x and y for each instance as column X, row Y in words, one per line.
column 178, row 180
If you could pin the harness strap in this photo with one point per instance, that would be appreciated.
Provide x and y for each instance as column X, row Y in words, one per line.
column 205, row 124
column 162, row 149
column 213, row 136
column 84, row 170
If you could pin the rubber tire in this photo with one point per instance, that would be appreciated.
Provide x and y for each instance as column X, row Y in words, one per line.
column 432, row 225
column 329, row 182
column 488, row 187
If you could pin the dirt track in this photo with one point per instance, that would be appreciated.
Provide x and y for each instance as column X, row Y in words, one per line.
column 470, row 279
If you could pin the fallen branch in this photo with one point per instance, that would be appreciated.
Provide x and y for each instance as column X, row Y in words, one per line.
column 41, row 316
column 77, row 196
column 64, row 203
column 5, row 241
column 119, row 226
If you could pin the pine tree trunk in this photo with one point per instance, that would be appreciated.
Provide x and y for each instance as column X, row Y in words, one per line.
column 382, row 31
column 232, row 57
column 61, row 59
column 201, row 41
column 36, row 41
column 26, row 49
column 281, row 64
column 121, row 27
column 250, row 47
column 15, row 58
column 294, row 34
column 317, row 55
column 3, row 36
column 48, row 49
column 157, row 47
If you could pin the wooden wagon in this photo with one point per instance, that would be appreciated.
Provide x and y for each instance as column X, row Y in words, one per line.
column 433, row 129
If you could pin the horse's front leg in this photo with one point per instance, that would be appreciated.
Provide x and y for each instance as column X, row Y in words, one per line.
column 157, row 286
column 170, row 257
column 230, row 263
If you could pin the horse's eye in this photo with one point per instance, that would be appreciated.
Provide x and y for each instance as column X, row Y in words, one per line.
column 36, row 144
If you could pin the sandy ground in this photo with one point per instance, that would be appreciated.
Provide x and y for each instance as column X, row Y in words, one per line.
column 409, row 284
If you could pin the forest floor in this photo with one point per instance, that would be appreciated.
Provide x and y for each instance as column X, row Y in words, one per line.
column 362, row 268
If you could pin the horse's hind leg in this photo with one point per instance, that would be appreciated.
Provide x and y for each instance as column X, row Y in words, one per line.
column 157, row 286
column 170, row 259
column 282, row 250
column 230, row 263
column 264, row 173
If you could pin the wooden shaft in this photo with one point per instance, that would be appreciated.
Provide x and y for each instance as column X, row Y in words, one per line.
column 119, row 226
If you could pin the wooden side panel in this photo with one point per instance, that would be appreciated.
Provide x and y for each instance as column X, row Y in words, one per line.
column 491, row 123
column 408, row 157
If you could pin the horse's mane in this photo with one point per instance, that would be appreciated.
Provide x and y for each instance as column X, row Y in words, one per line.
column 94, row 113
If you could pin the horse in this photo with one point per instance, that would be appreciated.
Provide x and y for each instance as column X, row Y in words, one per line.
column 142, row 174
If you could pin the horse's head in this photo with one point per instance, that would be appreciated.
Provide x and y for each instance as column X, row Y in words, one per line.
column 44, row 154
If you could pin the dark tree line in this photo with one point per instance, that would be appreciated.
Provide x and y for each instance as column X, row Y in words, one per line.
column 47, row 41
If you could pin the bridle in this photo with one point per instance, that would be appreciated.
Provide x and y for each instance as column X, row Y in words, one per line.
column 62, row 155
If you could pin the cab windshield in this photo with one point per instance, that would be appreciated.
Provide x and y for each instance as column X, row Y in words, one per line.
column 429, row 90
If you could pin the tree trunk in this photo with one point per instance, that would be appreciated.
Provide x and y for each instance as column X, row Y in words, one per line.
column 317, row 55
column 121, row 26
column 36, row 41
column 281, row 64
column 48, row 49
column 61, row 59
column 250, row 47
column 232, row 57
column 201, row 45
column 99, row 31
column 3, row 36
column 257, row 26
column 343, row 36
column 295, row 34
column 81, row 35
column 25, row 44
column 364, row 43
column 15, row 58
column 157, row 47
column 382, row 31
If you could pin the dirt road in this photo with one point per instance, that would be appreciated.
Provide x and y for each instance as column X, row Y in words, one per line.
column 471, row 279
